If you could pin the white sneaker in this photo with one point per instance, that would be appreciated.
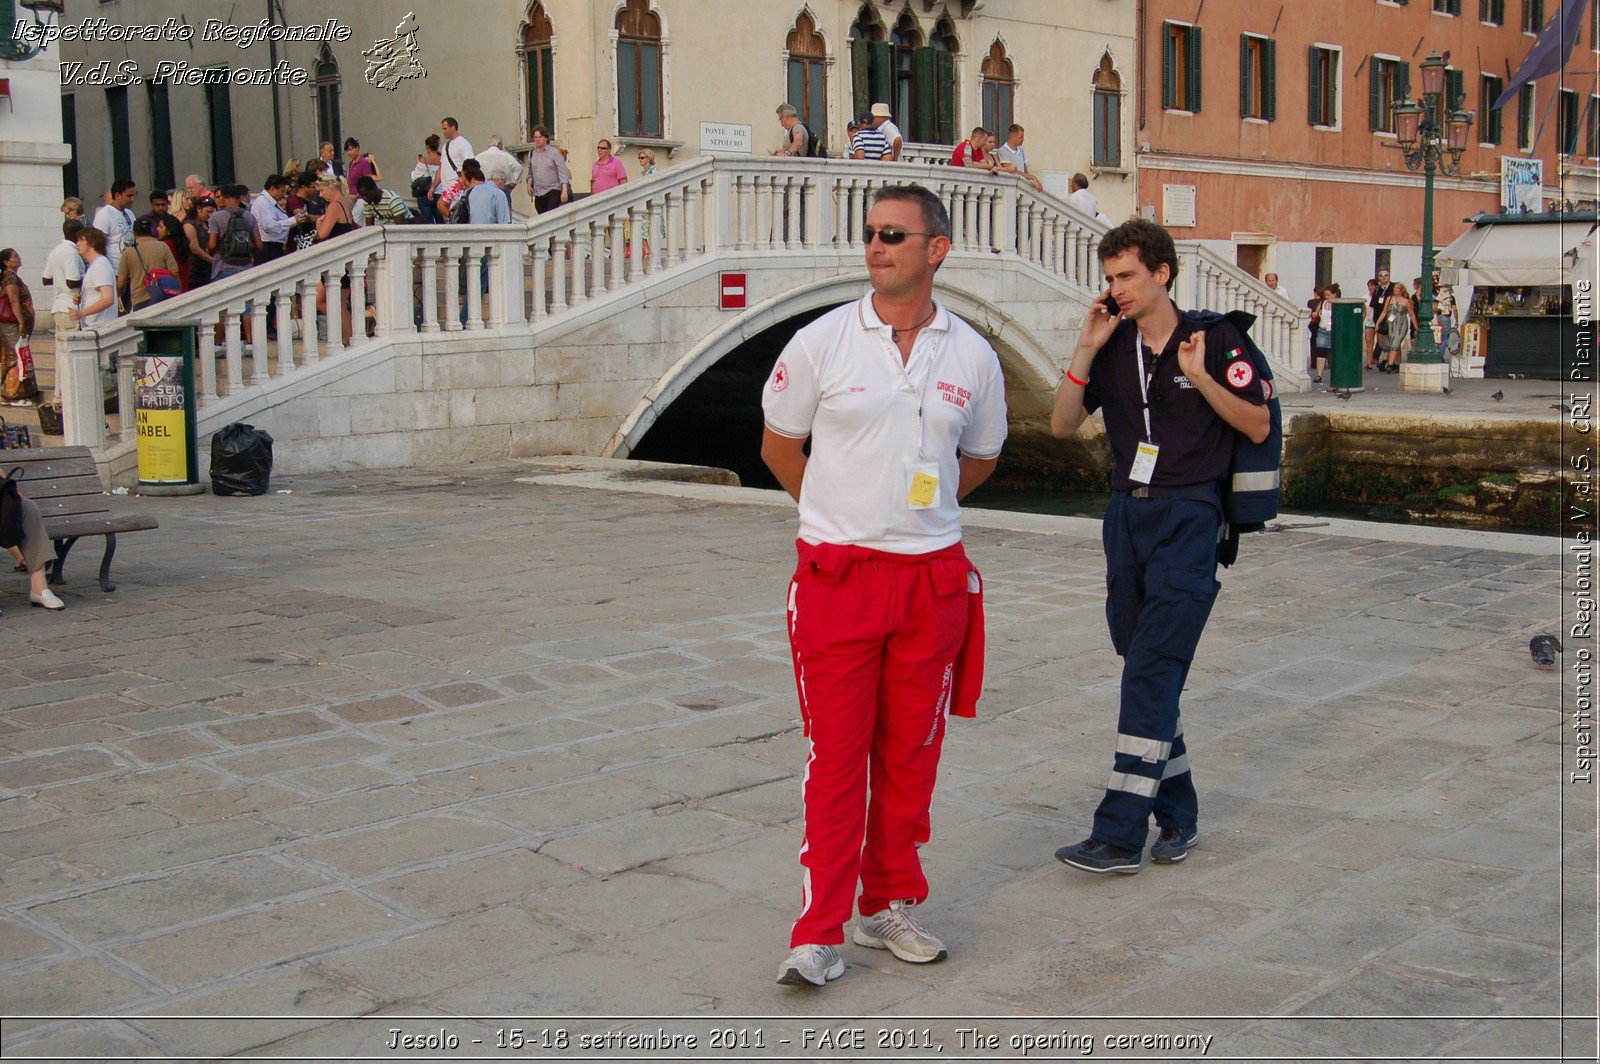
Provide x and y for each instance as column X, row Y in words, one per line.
column 897, row 931
column 813, row 965
column 47, row 599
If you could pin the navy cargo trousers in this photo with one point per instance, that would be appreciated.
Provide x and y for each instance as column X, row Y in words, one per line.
column 1161, row 580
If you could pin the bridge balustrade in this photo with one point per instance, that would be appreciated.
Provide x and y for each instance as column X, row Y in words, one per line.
column 263, row 327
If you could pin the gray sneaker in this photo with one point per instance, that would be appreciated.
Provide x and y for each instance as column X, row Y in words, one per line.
column 811, row 966
column 897, row 931
column 1174, row 845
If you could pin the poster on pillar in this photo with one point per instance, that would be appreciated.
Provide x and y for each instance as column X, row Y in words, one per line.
column 161, row 421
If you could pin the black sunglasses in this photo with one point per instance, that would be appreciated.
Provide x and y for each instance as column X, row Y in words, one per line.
column 888, row 234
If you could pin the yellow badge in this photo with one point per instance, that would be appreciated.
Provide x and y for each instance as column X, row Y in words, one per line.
column 924, row 489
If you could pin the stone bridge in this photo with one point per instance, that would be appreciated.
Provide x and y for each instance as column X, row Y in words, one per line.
column 598, row 316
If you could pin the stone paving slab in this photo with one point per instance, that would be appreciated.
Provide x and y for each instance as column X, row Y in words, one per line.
column 301, row 769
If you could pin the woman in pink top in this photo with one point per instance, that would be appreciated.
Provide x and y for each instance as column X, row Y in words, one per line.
column 607, row 172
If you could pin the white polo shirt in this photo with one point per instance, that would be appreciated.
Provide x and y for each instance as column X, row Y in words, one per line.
column 873, row 422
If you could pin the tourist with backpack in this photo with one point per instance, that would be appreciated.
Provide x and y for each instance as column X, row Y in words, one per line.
column 148, row 271
column 796, row 140
column 234, row 236
column 1192, row 422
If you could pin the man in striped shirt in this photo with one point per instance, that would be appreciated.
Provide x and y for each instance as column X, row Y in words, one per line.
column 868, row 142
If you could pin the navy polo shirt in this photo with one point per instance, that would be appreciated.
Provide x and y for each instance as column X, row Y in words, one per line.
column 1196, row 444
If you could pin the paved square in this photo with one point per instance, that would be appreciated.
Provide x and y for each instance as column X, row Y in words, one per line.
column 453, row 746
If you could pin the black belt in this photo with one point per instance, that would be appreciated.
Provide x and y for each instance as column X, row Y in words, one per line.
column 1197, row 492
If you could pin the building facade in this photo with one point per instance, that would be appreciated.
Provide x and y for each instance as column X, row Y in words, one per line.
column 32, row 149
column 1267, row 129
column 643, row 73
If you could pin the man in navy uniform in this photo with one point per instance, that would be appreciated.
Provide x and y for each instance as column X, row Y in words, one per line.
column 1174, row 400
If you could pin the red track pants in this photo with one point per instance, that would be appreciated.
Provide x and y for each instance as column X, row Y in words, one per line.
column 875, row 639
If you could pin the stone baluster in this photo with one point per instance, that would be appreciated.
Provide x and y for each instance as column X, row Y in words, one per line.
column 428, row 256
column 358, row 301
column 599, row 240
column 310, row 347
column 472, row 280
column 283, row 303
column 206, row 353
column 127, row 419
column 541, row 258
column 633, row 234
column 234, row 351
column 334, row 313
column 655, row 243
column 614, row 243
column 260, row 355
column 560, row 262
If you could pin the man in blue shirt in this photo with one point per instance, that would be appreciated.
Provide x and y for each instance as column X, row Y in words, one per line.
column 486, row 205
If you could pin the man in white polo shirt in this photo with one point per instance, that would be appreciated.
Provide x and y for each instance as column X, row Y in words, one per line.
column 905, row 408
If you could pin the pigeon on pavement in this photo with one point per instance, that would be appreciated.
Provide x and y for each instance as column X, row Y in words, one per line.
column 1497, row 396
column 1544, row 649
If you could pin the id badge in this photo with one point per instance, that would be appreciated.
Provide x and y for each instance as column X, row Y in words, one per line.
column 1144, row 463
column 922, row 484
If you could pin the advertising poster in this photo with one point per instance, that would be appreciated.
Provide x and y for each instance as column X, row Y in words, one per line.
column 159, row 417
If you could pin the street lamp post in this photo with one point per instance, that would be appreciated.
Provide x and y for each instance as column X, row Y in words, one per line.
column 1429, row 145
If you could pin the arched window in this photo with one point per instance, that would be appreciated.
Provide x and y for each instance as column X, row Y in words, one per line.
column 327, row 101
column 1107, row 115
column 905, row 40
column 808, row 78
column 871, row 62
column 999, row 83
column 639, row 110
column 534, row 53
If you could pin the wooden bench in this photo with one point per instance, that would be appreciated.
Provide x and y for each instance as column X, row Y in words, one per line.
column 65, row 484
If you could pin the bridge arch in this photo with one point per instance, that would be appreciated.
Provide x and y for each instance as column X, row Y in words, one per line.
column 1026, row 362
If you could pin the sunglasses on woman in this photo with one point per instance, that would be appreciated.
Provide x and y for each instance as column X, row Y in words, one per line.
column 888, row 234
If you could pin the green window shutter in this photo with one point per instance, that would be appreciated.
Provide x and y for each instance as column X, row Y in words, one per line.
column 1101, row 117
column 1402, row 81
column 1169, row 58
column 882, row 82
column 817, row 103
column 1246, row 76
column 1376, row 119
column 628, row 118
column 547, row 109
column 1456, row 81
column 924, row 96
column 989, row 103
column 1194, row 68
column 797, row 87
column 159, row 106
column 1314, row 104
column 650, row 81
column 860, row 59
column 1269, row 90
column 944, row 70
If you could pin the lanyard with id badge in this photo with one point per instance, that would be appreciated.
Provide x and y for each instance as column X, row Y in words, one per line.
column 921, row 473
column 1144, row 459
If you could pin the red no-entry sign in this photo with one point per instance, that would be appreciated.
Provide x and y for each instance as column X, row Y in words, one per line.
column 733, row 291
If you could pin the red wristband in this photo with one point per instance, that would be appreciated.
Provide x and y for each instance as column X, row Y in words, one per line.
column 1074, row 380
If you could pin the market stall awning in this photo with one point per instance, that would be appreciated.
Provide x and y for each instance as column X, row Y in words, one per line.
column 1516, row 253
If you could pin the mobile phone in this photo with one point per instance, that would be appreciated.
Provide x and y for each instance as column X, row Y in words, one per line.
column 1110, row 304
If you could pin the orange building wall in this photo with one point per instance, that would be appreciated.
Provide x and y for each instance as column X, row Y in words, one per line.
column 1302, row 209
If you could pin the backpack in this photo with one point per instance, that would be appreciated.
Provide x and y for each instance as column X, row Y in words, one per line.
column 159, row 282
column 460, row 213
column 814, row 148
column 1250, row 494
column 235, row 242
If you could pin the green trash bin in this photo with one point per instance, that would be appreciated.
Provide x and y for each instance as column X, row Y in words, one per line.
column 1347, row 357
column 164, row 409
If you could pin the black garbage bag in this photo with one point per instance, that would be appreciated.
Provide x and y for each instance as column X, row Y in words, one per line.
column 241, row 460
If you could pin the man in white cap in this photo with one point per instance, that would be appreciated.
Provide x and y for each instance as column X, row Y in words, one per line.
column 891, row 132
